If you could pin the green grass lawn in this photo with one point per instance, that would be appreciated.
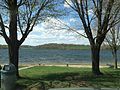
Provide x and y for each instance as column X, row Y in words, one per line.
column 60, row 77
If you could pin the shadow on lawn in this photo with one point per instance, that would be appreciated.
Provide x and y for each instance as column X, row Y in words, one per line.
column 71, row 79
column 60, row 80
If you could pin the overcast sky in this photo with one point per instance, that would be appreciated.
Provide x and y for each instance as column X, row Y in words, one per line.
column 41, row 35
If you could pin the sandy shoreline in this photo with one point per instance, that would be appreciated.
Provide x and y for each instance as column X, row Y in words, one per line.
column 65, row 65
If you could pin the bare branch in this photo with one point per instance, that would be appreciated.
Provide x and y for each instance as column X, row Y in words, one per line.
column 33, row 20
column 87, row 15
column 1, row 33
column 71, row 5
column 19, row 24
column 3, row 6
column 3, row 30
column 21, row 3
column 71, row 29
column 107, row 15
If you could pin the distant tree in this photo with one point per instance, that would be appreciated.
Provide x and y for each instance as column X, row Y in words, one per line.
column 113, row 40
column 17, row 19
column 106, row 18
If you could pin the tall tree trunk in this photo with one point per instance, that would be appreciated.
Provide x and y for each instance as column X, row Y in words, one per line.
column 13, row 44
column 115, row 58
column 95, row 54
column 13, row 56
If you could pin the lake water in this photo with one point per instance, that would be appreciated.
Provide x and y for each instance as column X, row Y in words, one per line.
column 37, row 56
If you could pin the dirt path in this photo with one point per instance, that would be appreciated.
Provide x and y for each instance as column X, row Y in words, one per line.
column 26, row 67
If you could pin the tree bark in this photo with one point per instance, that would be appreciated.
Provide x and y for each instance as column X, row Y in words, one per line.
column 13, row 45
column 13, row 56
column 95, row 54
column 115, row 58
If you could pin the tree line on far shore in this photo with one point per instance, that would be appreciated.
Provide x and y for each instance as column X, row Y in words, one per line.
column 59, row 46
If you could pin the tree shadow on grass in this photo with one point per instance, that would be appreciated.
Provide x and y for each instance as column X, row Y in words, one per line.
column 49, row 80
column 60, row 76
column 72, row 79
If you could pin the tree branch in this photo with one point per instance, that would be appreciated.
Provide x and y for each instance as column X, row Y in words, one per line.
column 19, row 24
column 107, row 15
column 3, row 30
column 70, row 5
column 33, row 20
column 72, row 29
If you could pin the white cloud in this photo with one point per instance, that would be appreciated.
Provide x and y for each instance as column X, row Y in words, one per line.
column 42, row 35
column 72, row 19
column 55, row 36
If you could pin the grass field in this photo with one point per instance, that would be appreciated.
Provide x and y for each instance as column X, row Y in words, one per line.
column 59, row 77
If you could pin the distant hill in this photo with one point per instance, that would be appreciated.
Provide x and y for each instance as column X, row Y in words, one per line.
column 3, row 46
column 63, row 46
column 59, row 46
column 54, row 46
column 23, row 46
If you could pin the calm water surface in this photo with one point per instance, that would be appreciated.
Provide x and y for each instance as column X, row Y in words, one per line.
column 32, row 55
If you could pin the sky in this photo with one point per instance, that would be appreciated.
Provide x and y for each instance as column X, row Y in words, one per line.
column 43, row 35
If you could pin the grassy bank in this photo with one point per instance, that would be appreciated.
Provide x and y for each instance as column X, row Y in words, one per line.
column 58, row 77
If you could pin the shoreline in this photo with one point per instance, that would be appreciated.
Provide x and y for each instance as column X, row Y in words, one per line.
column 69, row 65
column 77, row 65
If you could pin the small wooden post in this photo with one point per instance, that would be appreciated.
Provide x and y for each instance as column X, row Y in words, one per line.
column 67, row 65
